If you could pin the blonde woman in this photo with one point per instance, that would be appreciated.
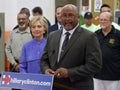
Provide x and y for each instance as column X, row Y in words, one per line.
column 33, row 50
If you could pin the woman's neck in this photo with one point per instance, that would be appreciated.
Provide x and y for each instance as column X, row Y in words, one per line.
column 39, row 38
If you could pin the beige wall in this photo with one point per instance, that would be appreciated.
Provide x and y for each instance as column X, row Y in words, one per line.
column 63, row 2
column 109, row 2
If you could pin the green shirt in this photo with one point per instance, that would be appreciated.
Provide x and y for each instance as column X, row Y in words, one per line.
column 91, row 28
column 81, row 20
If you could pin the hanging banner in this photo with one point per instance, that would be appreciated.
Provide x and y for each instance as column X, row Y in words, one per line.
column 97, row 5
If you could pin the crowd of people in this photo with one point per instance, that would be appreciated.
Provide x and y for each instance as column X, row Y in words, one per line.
column 80, row 57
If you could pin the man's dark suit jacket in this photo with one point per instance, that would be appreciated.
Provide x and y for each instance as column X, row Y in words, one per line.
column 0, row 32
column 53, row 28
column 82, row 58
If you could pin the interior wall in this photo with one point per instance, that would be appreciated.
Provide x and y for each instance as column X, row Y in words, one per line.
column 47, row 6
column 96, row 14
column 9, row 7
column 12, row 7
column 64, row 2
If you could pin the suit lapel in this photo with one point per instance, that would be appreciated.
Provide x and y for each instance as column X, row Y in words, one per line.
column 73, row 38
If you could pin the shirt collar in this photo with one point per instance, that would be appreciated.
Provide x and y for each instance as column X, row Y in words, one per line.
column 26, row 31
column 112, row 31
column 59, row 25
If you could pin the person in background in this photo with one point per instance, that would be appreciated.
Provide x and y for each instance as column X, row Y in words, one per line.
column 107, row 8
column 88, row 22
column 72, row 55
column 33, row 50
column 57, row 25
column 37, row 11
column 109, row 38
column 17, row 38
column 24, row 10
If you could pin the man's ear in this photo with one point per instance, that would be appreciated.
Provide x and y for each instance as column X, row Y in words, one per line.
column 78, row 17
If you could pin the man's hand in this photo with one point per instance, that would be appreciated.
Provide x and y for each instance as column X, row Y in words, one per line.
column 49, row 72
column 61, row 73
column 17, row 67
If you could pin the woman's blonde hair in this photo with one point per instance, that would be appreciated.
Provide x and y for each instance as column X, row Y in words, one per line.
column 43, row 21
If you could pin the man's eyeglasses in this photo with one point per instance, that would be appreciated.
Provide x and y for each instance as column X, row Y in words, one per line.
column 70, row 16
column 105, row 20
column 22, row 19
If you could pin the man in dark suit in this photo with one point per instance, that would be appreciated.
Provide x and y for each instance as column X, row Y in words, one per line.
column 57, row 25
column 73, row 64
